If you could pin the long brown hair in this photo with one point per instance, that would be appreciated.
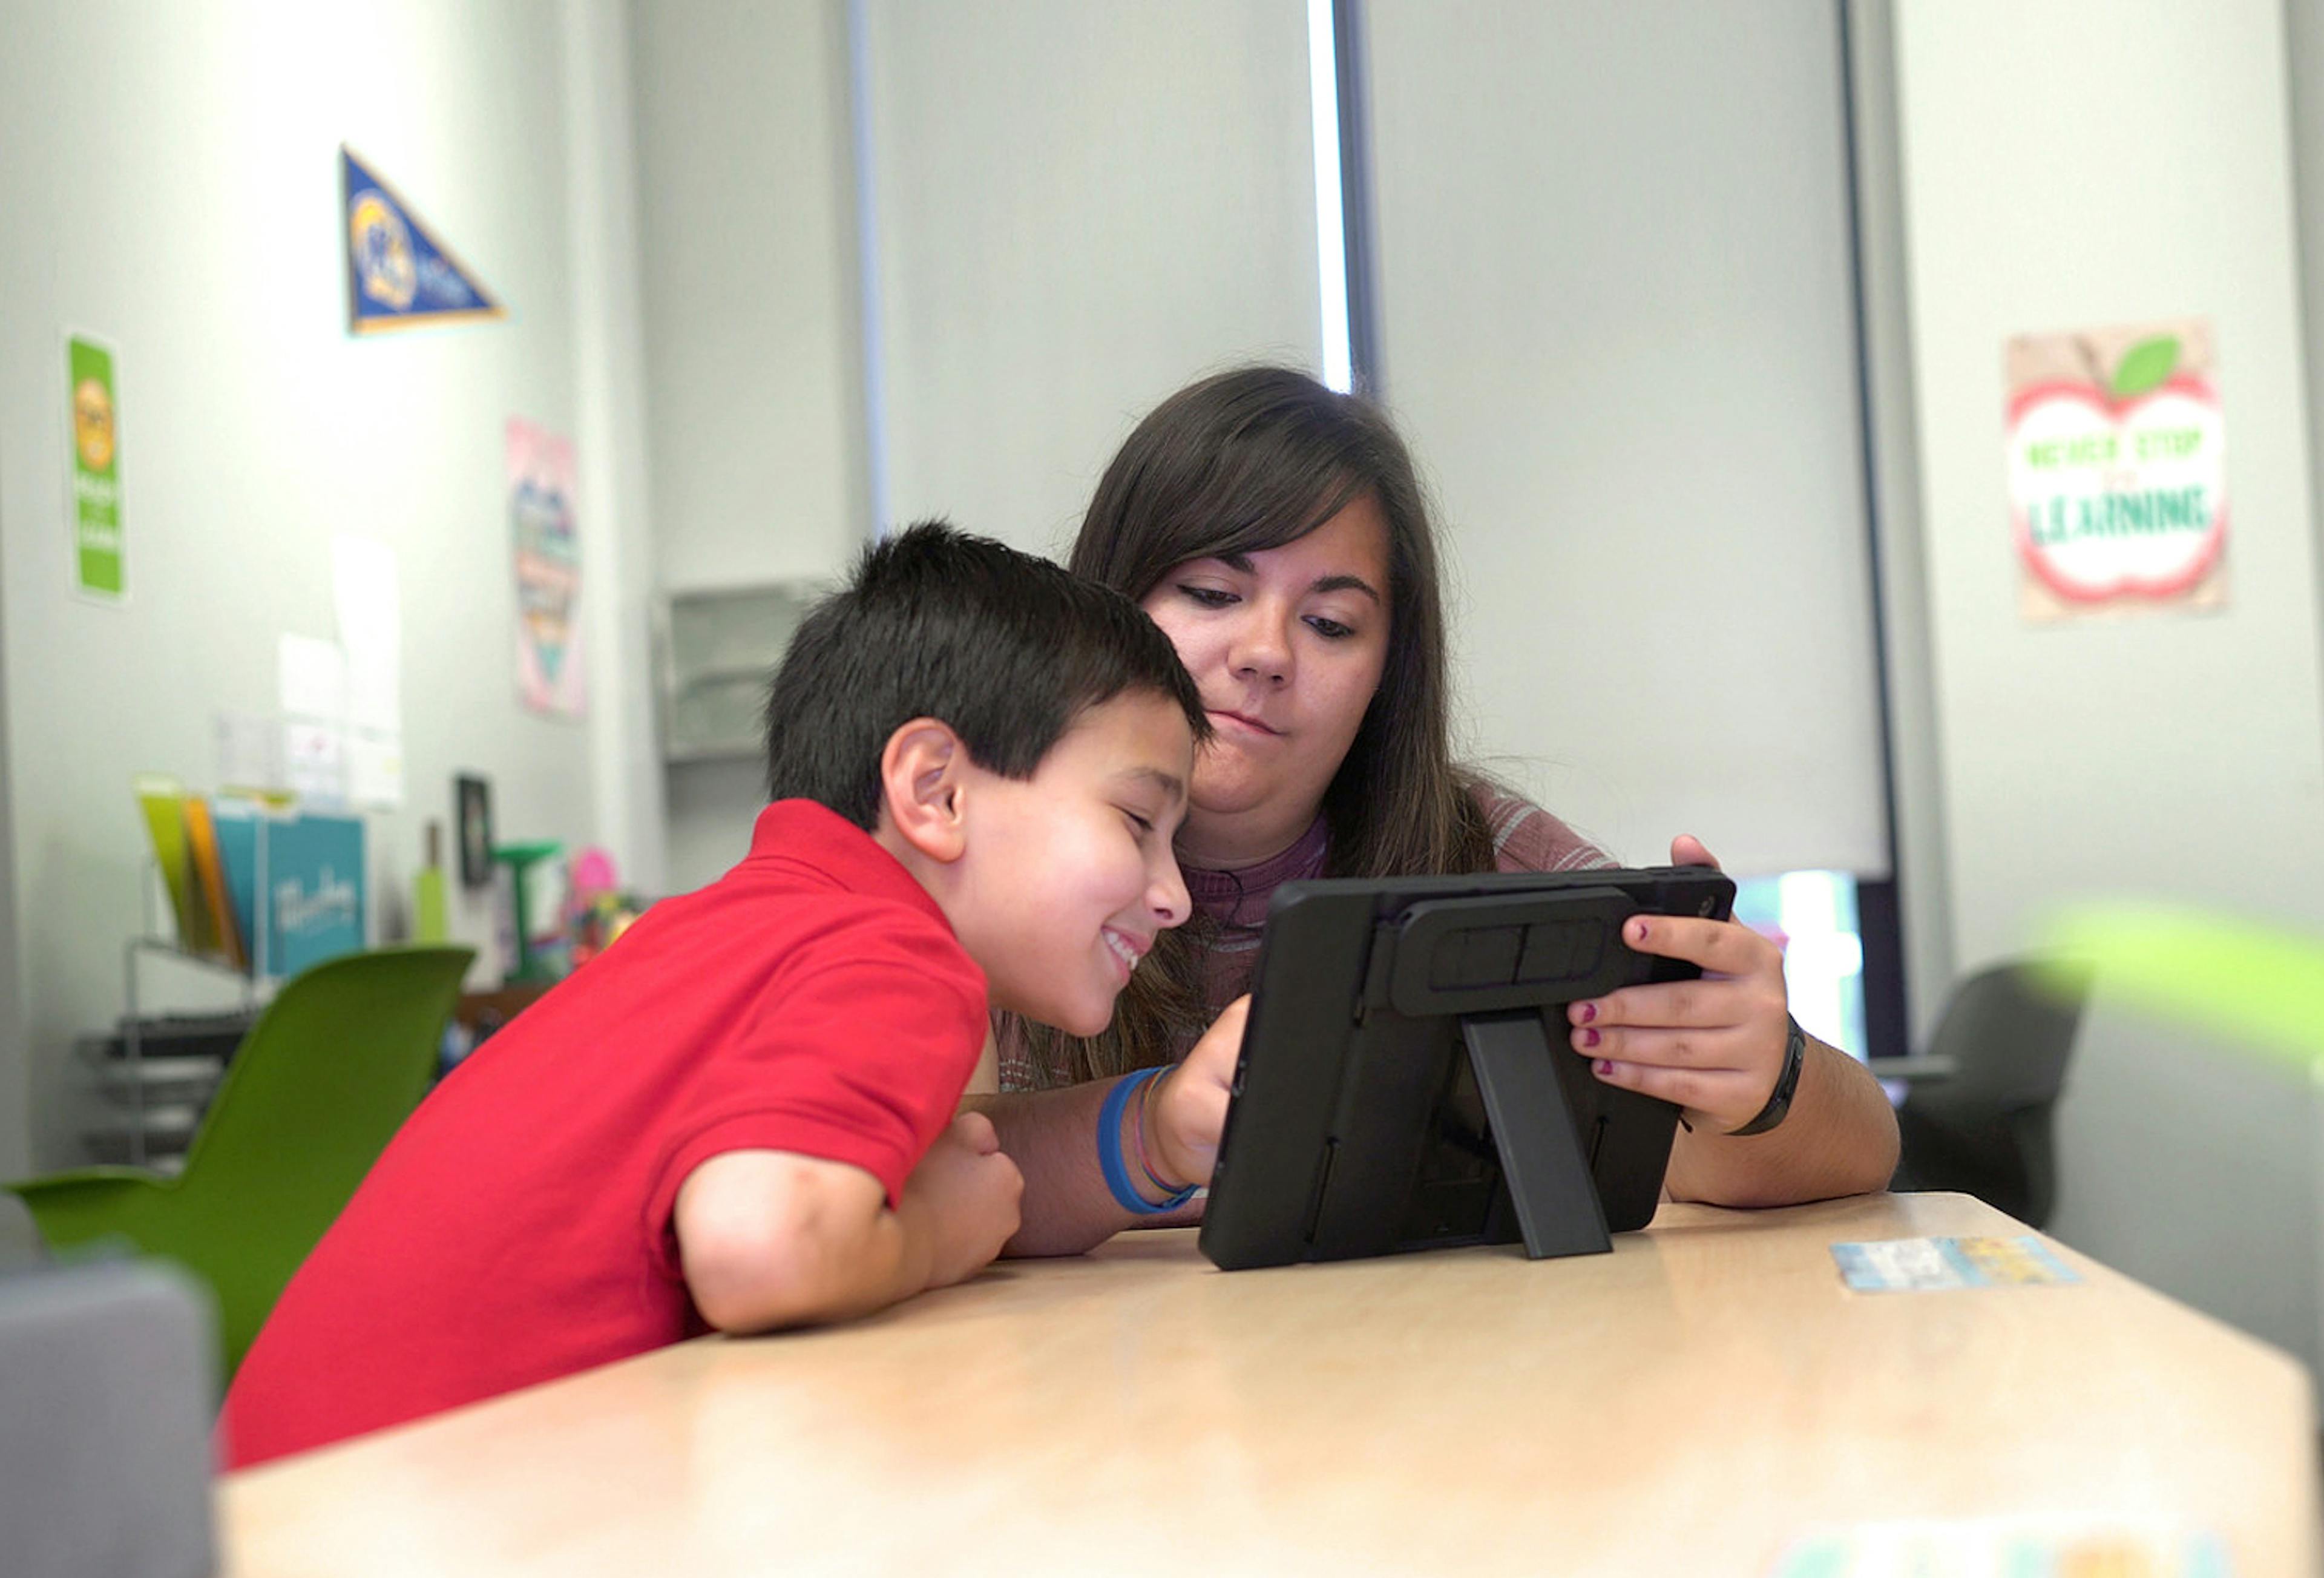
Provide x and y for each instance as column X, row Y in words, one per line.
column 1239, row 463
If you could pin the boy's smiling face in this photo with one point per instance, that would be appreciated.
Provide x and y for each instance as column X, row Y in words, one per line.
column 1064, row 879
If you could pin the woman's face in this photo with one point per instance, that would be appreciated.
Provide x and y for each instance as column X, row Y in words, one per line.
column 1287, row 646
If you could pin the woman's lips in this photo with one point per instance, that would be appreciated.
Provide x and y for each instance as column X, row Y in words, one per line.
column 1244, row 721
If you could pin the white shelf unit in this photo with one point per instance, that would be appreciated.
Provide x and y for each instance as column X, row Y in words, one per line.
column 715, row 649
column 146, row 1117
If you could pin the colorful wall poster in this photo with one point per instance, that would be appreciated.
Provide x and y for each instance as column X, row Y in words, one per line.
column 540, row 477
column 2117, row 470
column 100, row 569
column 398, row 273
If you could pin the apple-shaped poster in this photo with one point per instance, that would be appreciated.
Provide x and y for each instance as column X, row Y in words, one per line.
column 2117, row 470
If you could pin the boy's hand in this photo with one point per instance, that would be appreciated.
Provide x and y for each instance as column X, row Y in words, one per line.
column 962, row 1200
column 1189, row 1105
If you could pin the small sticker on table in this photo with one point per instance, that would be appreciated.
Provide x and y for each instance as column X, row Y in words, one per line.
column 1926, row 1265
column 2008, row 1548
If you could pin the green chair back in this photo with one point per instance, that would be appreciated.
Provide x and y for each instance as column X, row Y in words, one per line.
column 330, row 1071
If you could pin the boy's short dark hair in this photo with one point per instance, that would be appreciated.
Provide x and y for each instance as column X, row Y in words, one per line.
column 1006, row 648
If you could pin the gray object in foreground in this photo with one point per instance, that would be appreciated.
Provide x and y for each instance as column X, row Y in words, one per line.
column 105, row 1404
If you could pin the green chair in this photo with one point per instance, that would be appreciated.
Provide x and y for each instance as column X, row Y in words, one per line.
column 334, row 1064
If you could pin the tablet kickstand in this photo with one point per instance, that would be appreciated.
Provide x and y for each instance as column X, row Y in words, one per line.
column 1541, row 1156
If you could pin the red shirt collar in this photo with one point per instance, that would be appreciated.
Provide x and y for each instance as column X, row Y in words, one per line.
column 813, row 837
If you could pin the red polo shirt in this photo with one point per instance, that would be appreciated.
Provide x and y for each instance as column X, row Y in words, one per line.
column 519, row 1227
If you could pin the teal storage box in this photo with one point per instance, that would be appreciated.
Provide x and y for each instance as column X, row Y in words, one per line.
column 315, row 889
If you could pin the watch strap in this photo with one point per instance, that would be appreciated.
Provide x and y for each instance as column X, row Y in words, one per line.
column 1779, row 1099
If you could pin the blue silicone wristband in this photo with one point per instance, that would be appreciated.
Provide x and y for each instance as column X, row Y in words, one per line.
column 1109, row 1152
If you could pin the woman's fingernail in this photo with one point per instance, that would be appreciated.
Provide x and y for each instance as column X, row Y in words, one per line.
column 1604, row 1066
column 1588, row 1012
column 1639, row 932
column 1590, row 1037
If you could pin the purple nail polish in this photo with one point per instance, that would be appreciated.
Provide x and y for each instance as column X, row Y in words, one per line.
column 1590, row 1037
column 1588, row 1012
column 1604, row 1066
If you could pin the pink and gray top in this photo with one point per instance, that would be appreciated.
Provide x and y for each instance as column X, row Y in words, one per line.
column 1526, row 838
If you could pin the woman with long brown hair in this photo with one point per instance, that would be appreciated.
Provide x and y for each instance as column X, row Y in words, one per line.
column 1277, row 532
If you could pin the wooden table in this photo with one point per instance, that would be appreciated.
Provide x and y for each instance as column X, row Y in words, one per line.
column 1688, row 1404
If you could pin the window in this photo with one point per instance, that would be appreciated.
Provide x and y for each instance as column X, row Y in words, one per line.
column 1812, row 915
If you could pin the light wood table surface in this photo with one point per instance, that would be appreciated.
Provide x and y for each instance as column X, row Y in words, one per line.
column 1689, row 1404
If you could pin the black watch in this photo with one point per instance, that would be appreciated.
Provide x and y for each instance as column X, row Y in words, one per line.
column 1779, row 1099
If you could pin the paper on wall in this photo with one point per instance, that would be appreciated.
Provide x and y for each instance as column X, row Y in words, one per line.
column 313, row 680
column 315, row 759
column 375, row 769
column 249, row 752
column 364, row 588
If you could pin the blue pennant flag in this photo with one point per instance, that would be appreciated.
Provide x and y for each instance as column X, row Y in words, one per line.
column 398, row 272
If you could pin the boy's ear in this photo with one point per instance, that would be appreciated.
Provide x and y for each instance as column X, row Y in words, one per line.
column 922, row 775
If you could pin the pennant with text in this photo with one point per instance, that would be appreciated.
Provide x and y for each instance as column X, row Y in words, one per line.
column 398, row 273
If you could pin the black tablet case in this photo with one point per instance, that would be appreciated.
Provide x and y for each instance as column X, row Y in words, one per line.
column 1359, row 1123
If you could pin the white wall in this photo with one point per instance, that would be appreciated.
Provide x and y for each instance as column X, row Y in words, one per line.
column 2074, row 165
column 2304, row 41
column 1892, row 453
column 2175, row 754
column 1079, row 210
column 1617, row 326
column 754, row 404
column 610, row 427
column 746, row 190
column 169, row 179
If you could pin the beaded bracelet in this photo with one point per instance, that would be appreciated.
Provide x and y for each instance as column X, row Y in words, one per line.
column 1109, row 1151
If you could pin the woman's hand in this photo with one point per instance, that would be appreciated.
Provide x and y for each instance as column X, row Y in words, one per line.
column 1189, row 1104
column 1715, row 1046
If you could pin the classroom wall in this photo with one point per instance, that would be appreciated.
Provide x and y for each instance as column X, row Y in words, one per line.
column 1899, row 547
column 1078, row 209
column 2304, row 80
column 169, row 179
column 2068, row 166
column 610, row 427
column 754, row 402
column 1631, row 378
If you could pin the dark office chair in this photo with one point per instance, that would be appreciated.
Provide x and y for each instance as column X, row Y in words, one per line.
column 1976, row 1117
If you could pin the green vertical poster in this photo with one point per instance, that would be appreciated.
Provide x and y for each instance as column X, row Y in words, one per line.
column 99, row 569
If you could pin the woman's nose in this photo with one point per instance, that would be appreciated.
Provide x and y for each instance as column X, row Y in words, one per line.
column 1261, row 649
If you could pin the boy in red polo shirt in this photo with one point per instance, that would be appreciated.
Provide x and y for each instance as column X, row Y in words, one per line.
column 742, row 1116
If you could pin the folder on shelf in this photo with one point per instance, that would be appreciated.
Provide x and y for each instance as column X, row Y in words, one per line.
column 163, row 801
column 234, row 822
column 209, row 878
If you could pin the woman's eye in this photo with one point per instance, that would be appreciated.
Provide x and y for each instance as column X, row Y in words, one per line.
column 1140, row 823
column 1208, row 596
column 1330, row 628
